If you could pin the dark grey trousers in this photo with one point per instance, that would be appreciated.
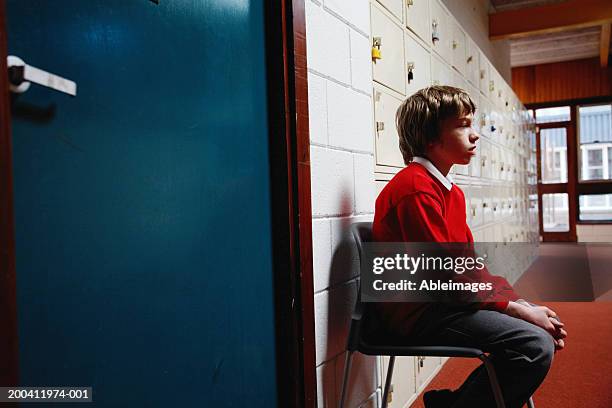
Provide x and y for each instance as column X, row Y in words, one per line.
column 521, row 352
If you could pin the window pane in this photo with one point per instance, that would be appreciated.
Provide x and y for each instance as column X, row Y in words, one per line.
column 553, row 149
column 595, row 174
column 595, row 207
column 555, row 212
column 595, row 137
column 547, row 115
column 595, row 157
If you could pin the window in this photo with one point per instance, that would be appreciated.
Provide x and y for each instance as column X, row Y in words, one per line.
column 555, row 212
column 595, row 138
column 595, row 207
column 557, row 114
column 553, row 151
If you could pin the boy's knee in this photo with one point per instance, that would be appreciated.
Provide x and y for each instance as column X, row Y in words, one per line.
column 540, row 348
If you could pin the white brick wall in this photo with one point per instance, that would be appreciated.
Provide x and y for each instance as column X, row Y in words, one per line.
column 342, row 174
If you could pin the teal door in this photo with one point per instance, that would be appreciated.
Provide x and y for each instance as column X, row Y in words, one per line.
column 142, row 204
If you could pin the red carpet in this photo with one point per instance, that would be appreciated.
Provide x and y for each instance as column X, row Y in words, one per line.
column 581, row 375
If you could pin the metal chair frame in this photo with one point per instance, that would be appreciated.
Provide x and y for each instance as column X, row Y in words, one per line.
column 362, row 232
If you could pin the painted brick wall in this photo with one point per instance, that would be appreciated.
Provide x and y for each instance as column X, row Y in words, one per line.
column 342, row 163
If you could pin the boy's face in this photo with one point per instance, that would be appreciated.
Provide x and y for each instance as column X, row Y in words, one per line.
column 457, row 143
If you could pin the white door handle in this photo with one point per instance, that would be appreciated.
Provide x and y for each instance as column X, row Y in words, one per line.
column 22, row 74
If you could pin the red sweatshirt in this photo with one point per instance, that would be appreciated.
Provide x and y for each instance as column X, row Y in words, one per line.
column 420, row 204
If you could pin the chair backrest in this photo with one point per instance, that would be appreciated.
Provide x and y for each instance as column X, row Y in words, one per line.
column 362, row 232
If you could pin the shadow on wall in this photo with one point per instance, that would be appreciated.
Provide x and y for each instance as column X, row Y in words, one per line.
column 343, row 287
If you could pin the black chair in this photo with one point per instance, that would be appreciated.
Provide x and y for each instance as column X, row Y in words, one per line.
column 362, row 232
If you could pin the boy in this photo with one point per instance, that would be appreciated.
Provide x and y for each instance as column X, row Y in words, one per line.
column 420, row 204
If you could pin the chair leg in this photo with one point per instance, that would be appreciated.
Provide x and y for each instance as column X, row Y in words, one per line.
column 497, row 392
column 530, row 403
column 345, row 378
column 388, row 382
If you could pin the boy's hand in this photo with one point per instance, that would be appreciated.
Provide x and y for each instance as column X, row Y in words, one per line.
column 541, row 316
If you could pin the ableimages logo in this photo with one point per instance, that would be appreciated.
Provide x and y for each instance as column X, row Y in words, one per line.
column 411, row 264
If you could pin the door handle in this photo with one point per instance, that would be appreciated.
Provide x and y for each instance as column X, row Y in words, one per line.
column 21, row 75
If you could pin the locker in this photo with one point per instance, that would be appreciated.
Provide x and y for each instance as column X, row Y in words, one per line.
column 476, row 205
column 474, row 167
column 458, row 80
column 472, row 62
column 495, row 203
column 386, row 138
column 425, row 368
column 417, row 19
column 492, row 88
column 388, row 38
column 485, row 160
column 403, row 380
column 494, row 154
column 440, row 30
column 394, row 6
column 418, row 61
column 458, row 48
column 498, row 233
column 488, row 234
column 440, row 72
column 483, row 74
column 487, row 208
column 493, row 127
column 477, row 236
column 467, row 193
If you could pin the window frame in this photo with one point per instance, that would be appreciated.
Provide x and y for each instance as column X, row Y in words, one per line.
column 582, row 187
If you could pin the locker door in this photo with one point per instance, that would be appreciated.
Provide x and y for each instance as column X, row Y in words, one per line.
column 403, row 382
column 425, row 367
column 418, row 60
column 440, row 72
column 458, row 48
column 417, row 19
column 389, row 38
column 483, row 75
column 472, row 62
column 440, row 31
column 387, row 141
column 394, row 6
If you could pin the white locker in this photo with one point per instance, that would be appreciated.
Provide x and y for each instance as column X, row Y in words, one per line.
column 458, row 80
column 458, row 48
column 440, row 72
column 484, row 158
column 418, row 61
column 388, row 37
column 417, row 18
column 472, row 62
column 394, row 6
column 476, row 205
column 403, row 381
column 425, row 367
column 440, row 30
column 387, row 140
column 483, row 74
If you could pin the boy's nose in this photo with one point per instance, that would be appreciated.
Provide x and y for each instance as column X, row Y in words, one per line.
column 474, row 137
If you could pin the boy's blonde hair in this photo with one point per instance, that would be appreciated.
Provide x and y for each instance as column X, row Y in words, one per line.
column 418, row 118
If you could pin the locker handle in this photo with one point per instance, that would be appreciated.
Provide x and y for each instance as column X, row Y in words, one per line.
column 470, row 58
column 376, row 44
column 434, row 31
column 21, row 75
column 409, row 3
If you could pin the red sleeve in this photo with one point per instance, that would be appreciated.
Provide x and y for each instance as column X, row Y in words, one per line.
column 421, row 219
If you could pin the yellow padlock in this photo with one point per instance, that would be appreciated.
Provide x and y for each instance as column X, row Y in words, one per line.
column 376, row 54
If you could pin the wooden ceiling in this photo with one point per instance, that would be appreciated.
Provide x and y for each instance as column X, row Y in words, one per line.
column 546, row 31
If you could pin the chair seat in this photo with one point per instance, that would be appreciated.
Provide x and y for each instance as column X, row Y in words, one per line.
column 415, row 350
